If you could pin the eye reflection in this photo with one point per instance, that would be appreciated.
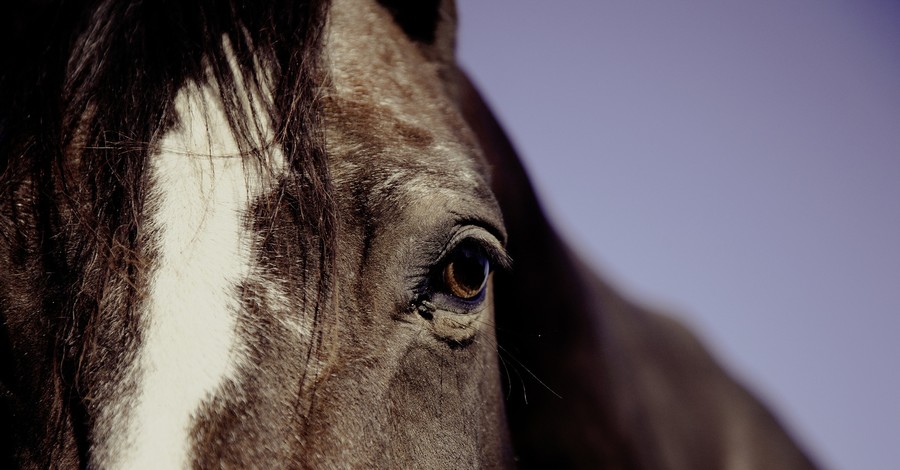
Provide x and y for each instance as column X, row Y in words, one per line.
column 466, row 273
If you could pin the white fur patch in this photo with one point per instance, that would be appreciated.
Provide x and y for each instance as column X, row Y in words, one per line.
column 200, row 197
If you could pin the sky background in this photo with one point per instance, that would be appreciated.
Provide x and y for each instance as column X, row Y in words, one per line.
column 737, row 163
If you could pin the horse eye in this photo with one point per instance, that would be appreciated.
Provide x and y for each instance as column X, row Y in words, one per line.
column 466, row 273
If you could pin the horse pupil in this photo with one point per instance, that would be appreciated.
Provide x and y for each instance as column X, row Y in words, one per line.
column 466, row 274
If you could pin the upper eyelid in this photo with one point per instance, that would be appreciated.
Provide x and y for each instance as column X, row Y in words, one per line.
column 486, row 222
column 498, row 257
column 488, row 241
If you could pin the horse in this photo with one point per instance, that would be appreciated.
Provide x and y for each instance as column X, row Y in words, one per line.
column 292, row 234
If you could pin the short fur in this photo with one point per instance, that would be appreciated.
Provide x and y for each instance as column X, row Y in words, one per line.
column 353, row 360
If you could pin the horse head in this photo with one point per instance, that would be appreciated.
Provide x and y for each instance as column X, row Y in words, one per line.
column 291, row 234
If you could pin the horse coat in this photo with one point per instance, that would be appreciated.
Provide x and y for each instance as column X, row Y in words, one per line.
column 262, row 234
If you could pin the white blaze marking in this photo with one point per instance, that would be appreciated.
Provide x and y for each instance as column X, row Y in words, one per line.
column 200, row 198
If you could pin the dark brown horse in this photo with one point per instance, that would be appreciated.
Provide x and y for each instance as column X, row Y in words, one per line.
column 262, row 235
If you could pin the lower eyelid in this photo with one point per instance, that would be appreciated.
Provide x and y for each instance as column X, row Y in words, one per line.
column 448, row 303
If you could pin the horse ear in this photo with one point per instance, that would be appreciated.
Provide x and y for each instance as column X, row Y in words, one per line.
column 431, row 24
column 593, row 380
column 419, row 19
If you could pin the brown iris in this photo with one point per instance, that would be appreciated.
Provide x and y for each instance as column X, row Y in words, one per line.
column 466, row 274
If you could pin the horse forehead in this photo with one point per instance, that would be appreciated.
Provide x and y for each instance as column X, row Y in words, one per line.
column 370, row 56
column 387, row 105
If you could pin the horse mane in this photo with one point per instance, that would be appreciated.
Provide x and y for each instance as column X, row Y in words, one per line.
column 87, row 89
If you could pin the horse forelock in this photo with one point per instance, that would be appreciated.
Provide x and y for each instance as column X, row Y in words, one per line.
column 150, row 152
column 179, row 220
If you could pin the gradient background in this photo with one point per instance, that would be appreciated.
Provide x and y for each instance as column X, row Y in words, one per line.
column 737, row 163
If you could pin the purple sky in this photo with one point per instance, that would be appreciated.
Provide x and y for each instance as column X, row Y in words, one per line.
column 737, row 163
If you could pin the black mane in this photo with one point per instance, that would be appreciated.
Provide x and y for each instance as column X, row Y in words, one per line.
column 86, row 92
